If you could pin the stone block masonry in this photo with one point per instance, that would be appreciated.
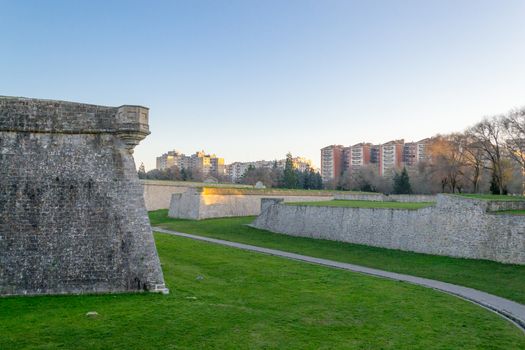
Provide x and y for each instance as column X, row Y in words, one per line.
column 205, row 203
column 380, row 197
column 455, row 226
column 72, row 214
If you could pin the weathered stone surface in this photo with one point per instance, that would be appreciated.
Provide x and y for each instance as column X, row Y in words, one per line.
column 380, row 197
column 197, row 204
column 72, row 215
column 456, row 226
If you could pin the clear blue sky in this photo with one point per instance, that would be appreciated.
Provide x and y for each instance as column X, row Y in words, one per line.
column 253, row 79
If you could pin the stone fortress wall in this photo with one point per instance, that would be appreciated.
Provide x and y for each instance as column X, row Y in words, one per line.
column 157, row 195
column 72, row 214
column 204, row 203
column 380, row 197
column 455, row 226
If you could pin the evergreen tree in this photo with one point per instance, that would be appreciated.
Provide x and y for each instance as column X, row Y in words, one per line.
column 402, row 183
column 301, row 179
column 307, row 179
column 142, row 171
column 290, row 176
column 318, row 181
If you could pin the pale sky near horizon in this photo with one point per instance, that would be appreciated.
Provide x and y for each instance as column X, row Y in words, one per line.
column 252, row 80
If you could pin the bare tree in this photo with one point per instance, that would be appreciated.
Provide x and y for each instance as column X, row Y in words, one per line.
column 488, row 137
column 513, row 125
column 474, row 161
column 448, row 160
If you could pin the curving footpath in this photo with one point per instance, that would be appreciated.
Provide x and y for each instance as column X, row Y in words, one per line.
column 511, row 310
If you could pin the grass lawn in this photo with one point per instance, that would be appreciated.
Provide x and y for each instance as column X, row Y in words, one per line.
column 500, row 279
column 365, row 204
column 246, row 300
column 509, row 212
column 493, row 197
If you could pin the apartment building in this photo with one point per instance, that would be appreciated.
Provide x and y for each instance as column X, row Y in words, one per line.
column 414, row 152
column 207, row 164
column 390, row 157
column 170, row 159
column 356, row 156
column 332, row 163
column 237, row 169
column 374, row 154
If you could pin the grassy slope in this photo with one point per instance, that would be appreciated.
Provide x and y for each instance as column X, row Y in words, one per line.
column 364, row 204
column 500, row 279
column 248, row 300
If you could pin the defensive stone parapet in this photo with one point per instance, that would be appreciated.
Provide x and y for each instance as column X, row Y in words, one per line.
column 205, row 203
column 455, row 226
column 72, row 215
column 380, row 197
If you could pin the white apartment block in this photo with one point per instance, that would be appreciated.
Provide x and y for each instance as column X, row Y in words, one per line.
column 390, row 157
column 236, row 170
column 331, row 163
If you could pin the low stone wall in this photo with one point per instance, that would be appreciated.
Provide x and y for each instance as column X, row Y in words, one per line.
column 455, row 226
column 199, row 203
column 380, row 197
column 157, row 195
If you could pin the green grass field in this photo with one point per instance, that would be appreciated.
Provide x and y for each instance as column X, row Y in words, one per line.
column 500, row 279
column 493, row 197
column 509, row 212
column 246, row 300
column 365, row 204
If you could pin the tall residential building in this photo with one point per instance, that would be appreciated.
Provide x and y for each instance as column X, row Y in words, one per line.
column 374, row 154
column 356, row 156
column 217, row 166
column 236, row 170
column 390, row 157
column 208, row 165
column 347, row 159
column 331, row 163
column 170, row 160
column 414, row 152
column 421, row 154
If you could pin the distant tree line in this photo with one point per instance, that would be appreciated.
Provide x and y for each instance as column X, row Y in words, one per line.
column 487, row 157
column 289, row 177
column 176, row 174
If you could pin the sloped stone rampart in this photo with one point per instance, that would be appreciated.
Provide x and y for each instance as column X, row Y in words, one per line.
column 196, row 203
column 455, row 226
column 72, row 215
